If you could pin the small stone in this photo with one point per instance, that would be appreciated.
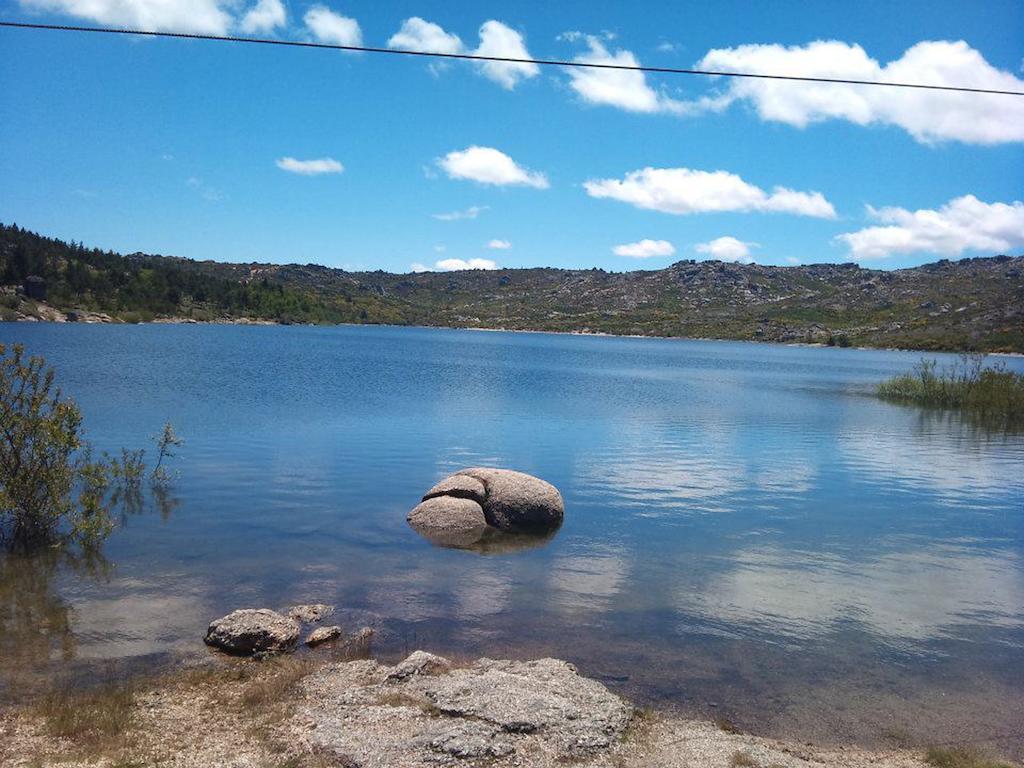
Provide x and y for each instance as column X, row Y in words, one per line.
column 323, row 635
column 252, row 631
column 419, row 663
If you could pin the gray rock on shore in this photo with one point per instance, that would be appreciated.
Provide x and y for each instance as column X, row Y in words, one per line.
column 427, row 711
column 460, row 509
column 252, row 631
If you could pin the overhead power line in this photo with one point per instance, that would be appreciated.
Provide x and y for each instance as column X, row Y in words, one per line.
column 505, row 59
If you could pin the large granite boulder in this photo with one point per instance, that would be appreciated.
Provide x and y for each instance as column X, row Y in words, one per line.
column 516, row 501
column 449, row 521
column 253, row 631
column 461, row 509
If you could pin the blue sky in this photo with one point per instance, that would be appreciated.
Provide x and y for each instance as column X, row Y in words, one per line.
column 191, row 148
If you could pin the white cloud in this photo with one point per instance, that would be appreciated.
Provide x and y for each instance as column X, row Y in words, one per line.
column 645, row 249
column 440, row 248
column 621, row 88
column 489, row 166
column 310, row 167
column 963, row 224
column 418, row 34
column 330, row 27
column 726, row 249
column 499, row 245
column 929, row 116
column 683, row 191
column 417, row 267
column 265, row 16
column 451, row 265
column 497, row 39
column 206, row 17
column 793, row 260
column 469, row 213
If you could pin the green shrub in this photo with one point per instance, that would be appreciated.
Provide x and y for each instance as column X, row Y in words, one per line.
column 51, row 487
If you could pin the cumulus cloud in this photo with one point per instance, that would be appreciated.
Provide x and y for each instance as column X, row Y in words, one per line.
column 726, row 249
column 625, row 89
column 684, row 191
column 417, row 34
column 469, row 213
column 645, row 249
column 489, row 166
column 963, row 224
column 417, row 267
column 929, row 116
column 310, row 167
column 497, row 39
column 330, row 27
column 265, row 16
column 206, row 17
column 452, row 265
column 499, row 245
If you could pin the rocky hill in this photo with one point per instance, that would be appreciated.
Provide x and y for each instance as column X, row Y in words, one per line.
column 968, row 304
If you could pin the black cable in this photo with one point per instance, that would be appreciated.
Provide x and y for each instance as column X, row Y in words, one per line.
column 502, row 59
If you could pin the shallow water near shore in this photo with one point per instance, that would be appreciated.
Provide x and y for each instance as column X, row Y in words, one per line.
column 749, row 533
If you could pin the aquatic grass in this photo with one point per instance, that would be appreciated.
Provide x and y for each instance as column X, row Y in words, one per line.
column 988, row 391
column 961, row 757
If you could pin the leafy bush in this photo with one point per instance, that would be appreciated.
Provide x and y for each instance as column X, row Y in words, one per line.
column 51, row 487
column 990, row 391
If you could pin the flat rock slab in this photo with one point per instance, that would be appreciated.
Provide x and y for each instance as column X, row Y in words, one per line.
column 253, row 631
column 427, row 711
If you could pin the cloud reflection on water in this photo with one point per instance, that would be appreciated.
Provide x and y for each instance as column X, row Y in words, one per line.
column 902, row 596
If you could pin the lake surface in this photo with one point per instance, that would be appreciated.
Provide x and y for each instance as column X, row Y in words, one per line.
column 748, row 532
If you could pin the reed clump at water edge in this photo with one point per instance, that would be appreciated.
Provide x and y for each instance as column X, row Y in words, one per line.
column 989, row 391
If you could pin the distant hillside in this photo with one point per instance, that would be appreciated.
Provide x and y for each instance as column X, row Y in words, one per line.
column 968, row 304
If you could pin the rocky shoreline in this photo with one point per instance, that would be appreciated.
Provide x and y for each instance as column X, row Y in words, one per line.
column 47, row 313
column 338, row 707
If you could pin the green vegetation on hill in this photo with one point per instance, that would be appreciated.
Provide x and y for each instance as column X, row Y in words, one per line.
column 972, row 304
column 140, row 287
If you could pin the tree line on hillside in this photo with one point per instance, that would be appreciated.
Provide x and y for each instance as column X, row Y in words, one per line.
column 140, row 287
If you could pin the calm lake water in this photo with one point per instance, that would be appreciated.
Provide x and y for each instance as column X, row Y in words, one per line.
column 748, row 532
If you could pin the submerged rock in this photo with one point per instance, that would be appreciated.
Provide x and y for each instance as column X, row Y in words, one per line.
column 310, row 613
column 462, row 508
column 252, row 631
column 322, row 635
